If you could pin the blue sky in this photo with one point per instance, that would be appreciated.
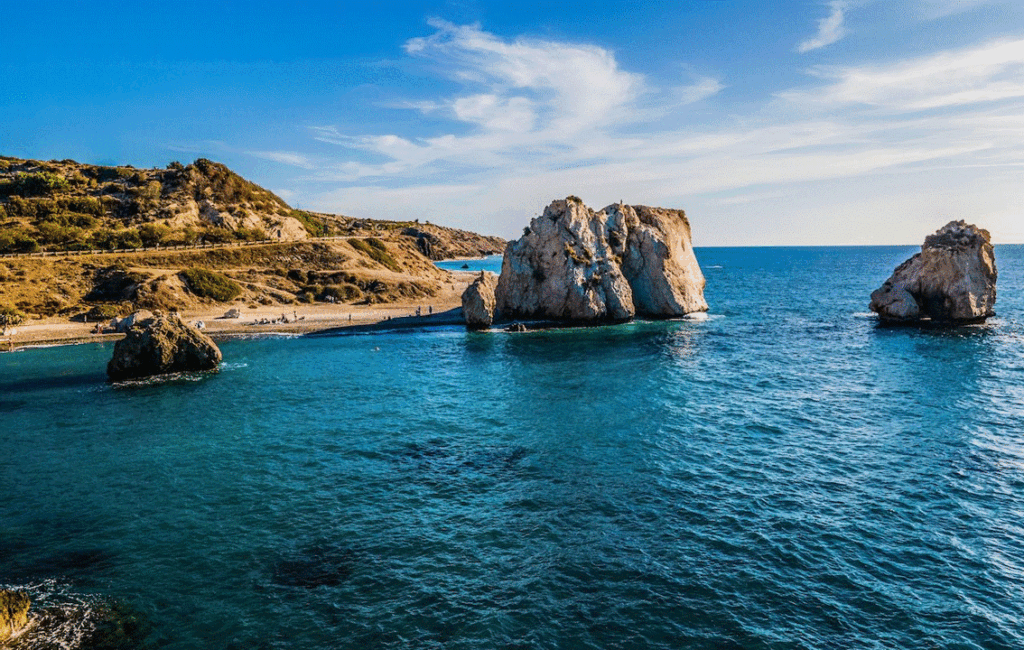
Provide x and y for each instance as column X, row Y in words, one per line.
column 770, row 123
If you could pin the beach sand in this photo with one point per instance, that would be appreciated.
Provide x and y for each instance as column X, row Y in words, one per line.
column 442, row 309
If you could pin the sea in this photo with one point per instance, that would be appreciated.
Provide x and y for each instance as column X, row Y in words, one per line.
column 782, row 474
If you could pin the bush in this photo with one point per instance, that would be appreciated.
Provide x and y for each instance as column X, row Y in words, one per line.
column 376, row 251
column 342, row 293
column 60, row 236
column 34, row 184
column 116, row 239
column 31, row 208
column 17, row 240
column 10, row 317
column 84, row 205
column 250, row 234
column 217, row 235
column 105, row 312
column 104, row 174
column 153, row 234
column 314, row 225
column 147, row 193
column 209, row 284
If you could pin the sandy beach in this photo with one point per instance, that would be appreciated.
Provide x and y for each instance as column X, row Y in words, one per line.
column 442, row 309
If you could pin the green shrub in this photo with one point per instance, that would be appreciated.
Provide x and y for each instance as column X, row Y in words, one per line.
column 116, row 239
column 34, row 184
column 105, row 312
column 153, row 234
column 342, row 293
column 250, row 234
column 217, row 235
column 146, row 193
column 10, row 317
column 17, row 240
column 376, row 251
column 59, row 236
column 315, row 226
column 209, row 284
column 84, row 205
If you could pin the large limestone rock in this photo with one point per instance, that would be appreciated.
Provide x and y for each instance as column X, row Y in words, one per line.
column 952, row 280
column 478, row 302
column 659, row 263
column 13, row 613
column 162, row 345
column 573, row 264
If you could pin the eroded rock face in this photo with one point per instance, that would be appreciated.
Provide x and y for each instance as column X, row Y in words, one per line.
column 478, row 301
column 952, row 280
column 573, row 264
column 659, row 263
column 162, row 345
column 13, row 613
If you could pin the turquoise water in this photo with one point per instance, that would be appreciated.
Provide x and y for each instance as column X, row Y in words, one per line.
column 781, row 475
column 490, row 263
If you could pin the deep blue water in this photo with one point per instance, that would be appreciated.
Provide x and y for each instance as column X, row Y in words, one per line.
column 782, row 475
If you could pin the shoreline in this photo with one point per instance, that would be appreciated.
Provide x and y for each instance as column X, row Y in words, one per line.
column 321, row 319
column 341, row 321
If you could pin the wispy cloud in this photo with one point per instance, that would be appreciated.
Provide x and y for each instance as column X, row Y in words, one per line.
column 284, row 157
column 830, row 28
column 525, row 129
column 991, row 72
column 934, row 9
column 526, row 99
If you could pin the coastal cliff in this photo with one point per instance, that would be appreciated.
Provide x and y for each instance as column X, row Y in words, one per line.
column 76, row 238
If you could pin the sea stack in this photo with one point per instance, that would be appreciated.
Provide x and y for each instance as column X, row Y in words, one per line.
column 478, row 301
column 162, row 345
column 951, row 281
column 579, row 266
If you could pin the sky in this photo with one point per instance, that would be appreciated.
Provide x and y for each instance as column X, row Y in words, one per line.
column 770, row 122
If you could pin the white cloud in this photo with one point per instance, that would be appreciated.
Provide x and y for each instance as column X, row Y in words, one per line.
column 285, row 157
column 934, row 9
column 528, row 100
column 526, row 130
column 830, row 28
column 987, row 73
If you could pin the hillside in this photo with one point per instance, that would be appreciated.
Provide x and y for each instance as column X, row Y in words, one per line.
column 110, row 239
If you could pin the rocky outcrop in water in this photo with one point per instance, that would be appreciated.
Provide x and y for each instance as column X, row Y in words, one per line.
column 573, row 264
column 162, row 345
column 13, row 613
column 952, row 280
column 478, row 302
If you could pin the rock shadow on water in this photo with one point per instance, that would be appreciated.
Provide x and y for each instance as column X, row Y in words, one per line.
column 438, row 456
column 317, row 565
column 176, row 378
column 82, row 565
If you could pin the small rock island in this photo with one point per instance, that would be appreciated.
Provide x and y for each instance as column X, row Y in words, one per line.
column 574, row 265
column 952, row 281
column 161, row 345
